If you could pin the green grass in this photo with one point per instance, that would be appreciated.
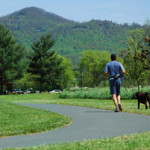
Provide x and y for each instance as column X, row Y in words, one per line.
column 17, row 120
column 37, row 96
column 126, row 142
column 52, row 98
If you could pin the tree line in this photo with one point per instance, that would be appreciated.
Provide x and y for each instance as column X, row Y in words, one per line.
column 43, row 69
column 135, row 58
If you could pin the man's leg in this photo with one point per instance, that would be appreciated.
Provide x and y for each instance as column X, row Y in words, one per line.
column 113, row 93
column 115, row 102
column 118, row 99
column 115, row 99
column 118, row 86
column 119, row 104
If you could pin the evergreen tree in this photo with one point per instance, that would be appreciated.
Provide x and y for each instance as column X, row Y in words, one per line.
column 50, row 69
column 40, row 60
column 11, row 54
column 54, row 72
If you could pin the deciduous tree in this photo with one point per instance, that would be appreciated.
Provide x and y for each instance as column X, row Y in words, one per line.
column 134, row 67
column 92, row 64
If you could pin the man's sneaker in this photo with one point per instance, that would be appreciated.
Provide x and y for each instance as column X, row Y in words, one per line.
column 117, row 109
column 120, row 107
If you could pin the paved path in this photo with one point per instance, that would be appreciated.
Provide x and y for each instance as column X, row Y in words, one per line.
column 88, row 123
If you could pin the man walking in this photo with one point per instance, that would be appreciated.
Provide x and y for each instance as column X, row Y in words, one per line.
column 115, row 71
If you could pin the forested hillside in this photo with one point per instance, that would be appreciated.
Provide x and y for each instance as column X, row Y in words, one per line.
column 28, row 24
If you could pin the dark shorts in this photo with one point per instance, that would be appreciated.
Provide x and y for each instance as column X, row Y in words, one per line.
column 115, row 86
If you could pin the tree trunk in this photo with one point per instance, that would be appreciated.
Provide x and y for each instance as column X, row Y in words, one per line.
column 1, row 90
column 40, row 84
column 138, row 86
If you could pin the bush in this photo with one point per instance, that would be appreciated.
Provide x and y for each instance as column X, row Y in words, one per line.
column 100, row 93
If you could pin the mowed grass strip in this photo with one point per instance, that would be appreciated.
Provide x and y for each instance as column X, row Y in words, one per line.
column 126, row 142
column 17, row 120
column 53, row 98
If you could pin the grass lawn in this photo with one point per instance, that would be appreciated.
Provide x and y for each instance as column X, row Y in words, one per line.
column 127, row 142
column 16, row 120
column 52, row 98
column 26, row 97
column 136, row 141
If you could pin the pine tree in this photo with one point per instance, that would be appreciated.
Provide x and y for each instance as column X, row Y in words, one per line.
column 50, row 68
column 41, row 58
column 45, row 63
column 11, row 54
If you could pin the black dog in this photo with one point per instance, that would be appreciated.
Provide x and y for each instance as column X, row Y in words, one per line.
column 143, row 98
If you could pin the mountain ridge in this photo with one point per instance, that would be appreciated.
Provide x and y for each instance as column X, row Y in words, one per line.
column 28, row 24
column 36, row 11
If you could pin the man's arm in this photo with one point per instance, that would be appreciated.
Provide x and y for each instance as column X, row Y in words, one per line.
column 106, row 70
column 123, row 72
column 122, row 69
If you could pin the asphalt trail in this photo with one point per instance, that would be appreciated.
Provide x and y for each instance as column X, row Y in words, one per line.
column 88, row 123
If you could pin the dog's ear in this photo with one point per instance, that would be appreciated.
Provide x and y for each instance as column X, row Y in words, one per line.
column 137, row 94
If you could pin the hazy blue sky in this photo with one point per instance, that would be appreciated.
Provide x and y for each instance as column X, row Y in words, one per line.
column 120, row 11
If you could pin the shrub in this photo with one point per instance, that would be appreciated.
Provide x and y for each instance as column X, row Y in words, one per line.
column 100, row 93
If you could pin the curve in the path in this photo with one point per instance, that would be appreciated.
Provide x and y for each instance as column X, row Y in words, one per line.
column 88, row 123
